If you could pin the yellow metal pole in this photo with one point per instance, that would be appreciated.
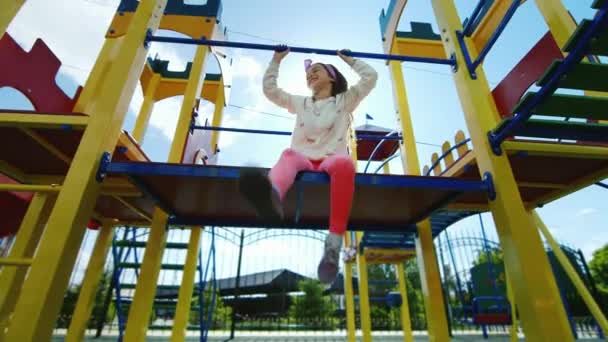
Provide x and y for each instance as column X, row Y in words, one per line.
column 29, row 188
column 510, row 297
column 145, row 291
column 40, row 299
column 88, row 290
column 425, row 249
column 26, row 240
column 406, row 324
column 184, row 300
column 143, row 118
column 217, row 117
column 538, row 301
column 558, row 19
column 349, row 297
column 364, row 309
column 8, row 13
column 572, row 274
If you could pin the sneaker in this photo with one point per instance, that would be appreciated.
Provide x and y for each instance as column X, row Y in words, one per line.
column 328, row 267
column 257, row 189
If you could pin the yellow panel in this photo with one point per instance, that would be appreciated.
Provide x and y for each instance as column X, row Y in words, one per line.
column 143, row 117
column 210, row 90
column 387, row 256
column 9, row 11
column 418, row 48
column 133, row 152
column 193, row 26
column 488, row 25
column 170, row 87
column 553, row 149
column 88, row 290
column 538, row 300
column 29, row 120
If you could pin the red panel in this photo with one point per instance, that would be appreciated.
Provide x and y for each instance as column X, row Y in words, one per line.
column 13, row 210
column 366, row 147
column 508, row 92
column 33, row 73
column 492, row 319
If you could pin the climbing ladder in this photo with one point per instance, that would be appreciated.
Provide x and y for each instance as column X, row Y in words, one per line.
column 589, row 39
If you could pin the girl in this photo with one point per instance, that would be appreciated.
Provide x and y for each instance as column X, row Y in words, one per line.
column 319, row 143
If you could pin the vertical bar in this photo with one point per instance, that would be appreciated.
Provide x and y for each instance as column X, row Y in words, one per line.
column 406, row 323
column 88, row 290
column 143, row 118
column 39, row 304
column 572, row 274
column 8, row 13
column 349, row 297
column 425, row 249
column 217, row 116
column 237, row 285
column 26, row 240
column 145, row 291
column 182, row 311
column 364, row 309
column 533, row 281
column 514, row 324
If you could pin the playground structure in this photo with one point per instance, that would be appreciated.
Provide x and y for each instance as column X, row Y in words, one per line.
column 88, row 170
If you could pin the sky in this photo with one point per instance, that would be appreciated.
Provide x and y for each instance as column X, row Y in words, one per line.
column 74, row 30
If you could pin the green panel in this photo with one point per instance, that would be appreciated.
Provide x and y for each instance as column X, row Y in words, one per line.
column 584, row 76
column 177, row 267
column 419, row 31
column 599, row 46
column 142, row 244
column 567, row 130
column 597, row 4
column 585, row 107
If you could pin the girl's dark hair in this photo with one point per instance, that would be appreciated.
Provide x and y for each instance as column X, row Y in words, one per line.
column 340, row 84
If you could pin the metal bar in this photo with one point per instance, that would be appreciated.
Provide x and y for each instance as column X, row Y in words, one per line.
column 501, row 27
column 260, row 131
column 381, row 56
column 468, row 28
column 237, row 286
column 29, row 188
column 603, row 185
column 15, row 261
column 573, row 58
column 377, row 148
column 36, row 120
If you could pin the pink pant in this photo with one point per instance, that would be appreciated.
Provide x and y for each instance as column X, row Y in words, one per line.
column 341, row 170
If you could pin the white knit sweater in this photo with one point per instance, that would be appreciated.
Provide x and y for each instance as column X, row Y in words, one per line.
column 322, row 126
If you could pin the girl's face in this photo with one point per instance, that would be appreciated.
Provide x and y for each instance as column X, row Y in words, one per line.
column 317, row 77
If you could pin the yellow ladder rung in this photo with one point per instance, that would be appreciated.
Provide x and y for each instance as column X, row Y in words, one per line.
column 29, row 187
column 15, row 261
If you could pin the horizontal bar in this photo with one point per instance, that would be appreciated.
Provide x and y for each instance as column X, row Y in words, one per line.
column 33, row 119
column 29, row 188
column 328, row 52
column 603, row 185
column 573, row 58
column 259, row 131
column 15, row 261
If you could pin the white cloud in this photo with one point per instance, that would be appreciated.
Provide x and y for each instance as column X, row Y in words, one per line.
column 586, row 211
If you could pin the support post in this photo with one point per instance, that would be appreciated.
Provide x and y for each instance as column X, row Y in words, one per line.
column 88, row 290
column 140, row 310
column 184, row 299
column 26, row 241
column 143, row 118
column 406, row 323
column 364, row 309
column 572, row 274
column 237, row 285
column 425, row 249
column 349, row 295
column 536, row 294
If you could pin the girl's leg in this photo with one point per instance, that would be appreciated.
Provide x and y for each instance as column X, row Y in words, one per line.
column 265, row 193
column 284, row 173
column 341, row 170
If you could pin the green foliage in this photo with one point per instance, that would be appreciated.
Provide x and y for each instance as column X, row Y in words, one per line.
column 71, row 298
column 599, row 270
column 312, row 308
column 222, row 314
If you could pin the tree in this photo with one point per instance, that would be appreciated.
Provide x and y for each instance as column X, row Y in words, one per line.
column 221, row 312
column 599, row 270
column 312, row 308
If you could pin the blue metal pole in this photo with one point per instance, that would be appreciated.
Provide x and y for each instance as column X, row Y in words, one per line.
column 501, row 27
column 445, row 154
column 209, row 42
column 116, row 276
column 603, row 185
column 377, row 148
column 468, row 28
column 573, row 58
column 261, row 131
column 201, row 322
